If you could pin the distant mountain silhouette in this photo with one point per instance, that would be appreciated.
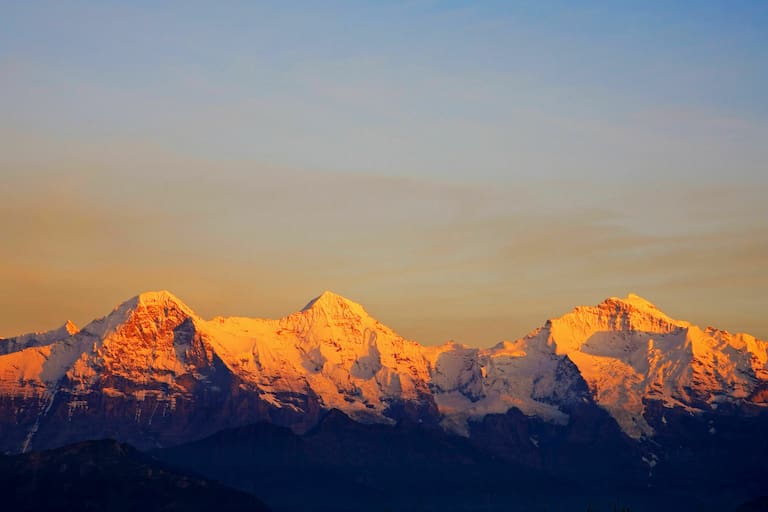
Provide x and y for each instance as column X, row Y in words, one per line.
column 107, row 475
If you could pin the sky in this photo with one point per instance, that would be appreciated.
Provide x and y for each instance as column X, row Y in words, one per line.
column 465, row 170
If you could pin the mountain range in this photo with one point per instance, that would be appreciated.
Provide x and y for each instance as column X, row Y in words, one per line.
column 618, row 392
column 154, row 373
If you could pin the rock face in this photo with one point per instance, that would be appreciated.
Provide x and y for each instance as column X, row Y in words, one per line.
column 153, row 373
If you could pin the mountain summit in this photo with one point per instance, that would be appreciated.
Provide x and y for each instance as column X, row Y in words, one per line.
column 152, row 372
column 332, row 302
column 638, row 302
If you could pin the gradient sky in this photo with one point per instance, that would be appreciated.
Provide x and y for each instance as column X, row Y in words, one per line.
column 463, row 169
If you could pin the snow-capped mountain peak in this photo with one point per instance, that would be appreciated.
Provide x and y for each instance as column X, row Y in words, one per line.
column 588, row 323
column 159, row 297
column 37, row 339
column 630, row 353
column 146, row 307
column 639, row 302
column 71, row 328
column 620, row 354
column 162, row 299
column 634, row 304
column 330, row 302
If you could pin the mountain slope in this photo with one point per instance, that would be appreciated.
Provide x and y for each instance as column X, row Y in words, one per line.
column 620, row 355
column 331, row 348
column 630, row 353
column 345, row 465
column 106, row 475
column 153, row 373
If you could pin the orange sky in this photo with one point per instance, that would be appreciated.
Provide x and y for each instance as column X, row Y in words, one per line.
column 473, row 262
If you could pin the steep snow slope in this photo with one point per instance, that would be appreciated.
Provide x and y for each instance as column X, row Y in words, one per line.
column 333, row 348
column 37, row 339
column 630, row 352
column 526, row 374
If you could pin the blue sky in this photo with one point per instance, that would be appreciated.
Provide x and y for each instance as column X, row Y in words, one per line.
column 454, row 131
column 508, row 89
